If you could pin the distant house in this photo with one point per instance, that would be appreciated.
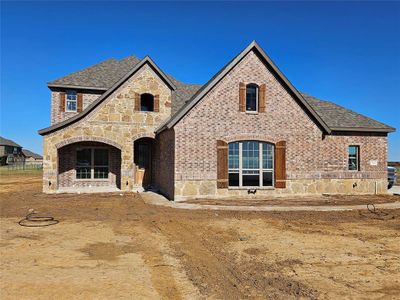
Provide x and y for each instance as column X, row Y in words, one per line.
column 10, row 152
column 31, row 157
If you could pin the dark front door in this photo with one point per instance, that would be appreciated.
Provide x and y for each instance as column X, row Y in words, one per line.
column 143, row 163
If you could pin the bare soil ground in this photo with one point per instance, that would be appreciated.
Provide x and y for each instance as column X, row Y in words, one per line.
column 328, row 200
column 118, row 247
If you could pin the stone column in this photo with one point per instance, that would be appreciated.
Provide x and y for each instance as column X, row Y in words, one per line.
column 127, row 167
column 50, row 167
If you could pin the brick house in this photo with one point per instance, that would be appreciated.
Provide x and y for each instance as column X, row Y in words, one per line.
column 126, row 125
column 10, row 152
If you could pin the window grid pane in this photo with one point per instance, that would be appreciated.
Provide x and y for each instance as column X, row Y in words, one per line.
column 233, row 155
column 71, row 105
column 251, row 172
column 83, row 173
column 100, row 172
column 92, row 160
column 250, row 155
column 267, row 156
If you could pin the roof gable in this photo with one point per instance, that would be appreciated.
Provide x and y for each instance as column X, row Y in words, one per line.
column 225, row 70
column 29, row 153
column 97, row 102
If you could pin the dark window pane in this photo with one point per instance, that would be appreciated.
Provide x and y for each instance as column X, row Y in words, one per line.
column 83, row 173
column 352, row 164
column 101, row 157
column 251, row 97
column 146, row 102
column 100, row 172
column 84, row 157
column 353, row 161
column 233, row 179
column 251, row 180
column 267, row 178
column 144, row 156
column 71, row 95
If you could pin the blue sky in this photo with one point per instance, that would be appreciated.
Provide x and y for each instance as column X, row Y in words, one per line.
column 346, row 52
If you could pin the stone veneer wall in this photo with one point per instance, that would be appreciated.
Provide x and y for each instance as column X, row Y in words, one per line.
column 59, row 116
column 314, row 163
column 114, row 122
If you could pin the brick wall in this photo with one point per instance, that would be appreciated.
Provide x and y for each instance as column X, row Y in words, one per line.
column 59, row 116
column 164, row 163
column 67, row 164
column 310, row 155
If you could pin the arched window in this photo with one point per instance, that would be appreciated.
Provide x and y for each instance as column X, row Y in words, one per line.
column 251, row 97
column 251, row 164
column 146, row 102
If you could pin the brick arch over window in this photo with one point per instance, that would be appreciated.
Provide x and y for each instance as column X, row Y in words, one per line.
column 88, row 139
column 250, row 137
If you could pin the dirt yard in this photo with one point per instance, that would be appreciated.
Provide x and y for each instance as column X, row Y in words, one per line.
column 118, row 247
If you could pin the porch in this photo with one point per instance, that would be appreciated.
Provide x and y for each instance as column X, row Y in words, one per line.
column 97, row 167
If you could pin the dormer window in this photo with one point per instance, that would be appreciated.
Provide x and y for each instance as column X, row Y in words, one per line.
column 146, row 102
column 251, row 97
column 71, row 101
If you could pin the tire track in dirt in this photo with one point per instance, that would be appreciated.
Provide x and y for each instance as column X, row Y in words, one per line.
column 167, row 275
column 218, row 274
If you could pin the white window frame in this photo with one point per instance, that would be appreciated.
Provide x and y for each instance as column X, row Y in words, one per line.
column 252, row 111
column 92, row 166
column 69, row 92
column 261, row 168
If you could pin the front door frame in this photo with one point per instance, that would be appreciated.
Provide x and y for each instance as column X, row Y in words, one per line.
column 143, row 174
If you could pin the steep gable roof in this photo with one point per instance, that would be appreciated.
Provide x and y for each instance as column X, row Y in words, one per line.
column 225, row 70
column 105, row 74
column 329, row 116
column 94, row 104
column 109, row 74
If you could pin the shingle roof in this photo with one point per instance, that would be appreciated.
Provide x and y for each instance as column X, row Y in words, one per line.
column 330, row 116
column 6, row 142
column 106, row 74
column 29, row 153
column 339, row 118
column 100, row 76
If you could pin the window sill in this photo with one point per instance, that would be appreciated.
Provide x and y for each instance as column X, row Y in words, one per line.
column 91, row 179
column 71, row 111
column 251, row 112
column 246, row 188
